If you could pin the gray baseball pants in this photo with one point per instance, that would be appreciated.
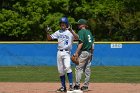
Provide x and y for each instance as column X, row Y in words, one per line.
column 83, row 67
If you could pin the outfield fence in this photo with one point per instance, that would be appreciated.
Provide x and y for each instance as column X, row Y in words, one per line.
column 44, row 53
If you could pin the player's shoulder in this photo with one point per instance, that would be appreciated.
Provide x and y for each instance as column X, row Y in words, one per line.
column 81, row 31
column 88, row 31
column 57, row 31
column 68, row 32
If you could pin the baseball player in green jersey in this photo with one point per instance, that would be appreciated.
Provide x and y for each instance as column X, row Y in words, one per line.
column 84, row 53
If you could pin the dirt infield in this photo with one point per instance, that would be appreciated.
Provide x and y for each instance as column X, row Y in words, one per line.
column 13, row 87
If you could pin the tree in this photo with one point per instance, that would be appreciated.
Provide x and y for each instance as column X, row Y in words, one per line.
column 24, row 21
column 109, row 20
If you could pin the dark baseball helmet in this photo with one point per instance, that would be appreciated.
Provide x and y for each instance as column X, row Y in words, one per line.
column 64, row 20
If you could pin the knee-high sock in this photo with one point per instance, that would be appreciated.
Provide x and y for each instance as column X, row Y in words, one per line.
column 62, row 78
column 70, row 78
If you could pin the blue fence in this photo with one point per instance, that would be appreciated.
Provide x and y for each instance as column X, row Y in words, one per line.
column 40, row 54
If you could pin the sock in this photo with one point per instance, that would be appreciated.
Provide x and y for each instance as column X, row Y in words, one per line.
column 62, row 78
column 70, row 78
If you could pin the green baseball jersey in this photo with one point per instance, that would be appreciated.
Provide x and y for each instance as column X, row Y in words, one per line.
column 86, row 38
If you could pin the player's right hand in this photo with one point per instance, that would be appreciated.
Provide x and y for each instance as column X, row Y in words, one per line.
column 48, row 29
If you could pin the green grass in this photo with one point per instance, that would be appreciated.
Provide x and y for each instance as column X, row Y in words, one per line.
column 122, row 74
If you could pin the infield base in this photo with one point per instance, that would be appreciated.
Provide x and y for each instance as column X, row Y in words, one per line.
column 75, row 91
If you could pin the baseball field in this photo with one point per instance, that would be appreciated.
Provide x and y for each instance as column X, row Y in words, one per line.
column 45, row 79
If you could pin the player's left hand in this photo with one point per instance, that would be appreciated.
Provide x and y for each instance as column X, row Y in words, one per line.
column 70, row 28
column 75, row 59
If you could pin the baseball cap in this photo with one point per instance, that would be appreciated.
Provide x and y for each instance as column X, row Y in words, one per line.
column 82, row 21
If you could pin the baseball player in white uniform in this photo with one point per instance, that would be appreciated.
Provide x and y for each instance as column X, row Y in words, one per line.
column 65, row 41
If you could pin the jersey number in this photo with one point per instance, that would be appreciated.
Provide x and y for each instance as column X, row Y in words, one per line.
column 89, row 38
column 66, row 42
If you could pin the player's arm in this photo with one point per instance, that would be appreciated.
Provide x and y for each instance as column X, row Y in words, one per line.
column 49, row 36
column 47, row 30
column 78, row 48
column 74, row 34
column 92, row 49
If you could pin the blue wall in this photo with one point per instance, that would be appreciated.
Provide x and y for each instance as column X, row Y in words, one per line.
column 15, row 54
column 128, row 55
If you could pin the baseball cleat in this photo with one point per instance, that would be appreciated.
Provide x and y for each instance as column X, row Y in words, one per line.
column 71, row 88
column 62, row 89
column 76, row 87
column 84, row 88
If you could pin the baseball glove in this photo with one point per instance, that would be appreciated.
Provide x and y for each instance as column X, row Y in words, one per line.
column 75, row 60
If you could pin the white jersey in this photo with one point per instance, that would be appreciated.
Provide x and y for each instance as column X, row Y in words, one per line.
column 65, row 39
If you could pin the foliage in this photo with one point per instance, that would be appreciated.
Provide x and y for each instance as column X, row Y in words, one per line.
column 109, row 20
